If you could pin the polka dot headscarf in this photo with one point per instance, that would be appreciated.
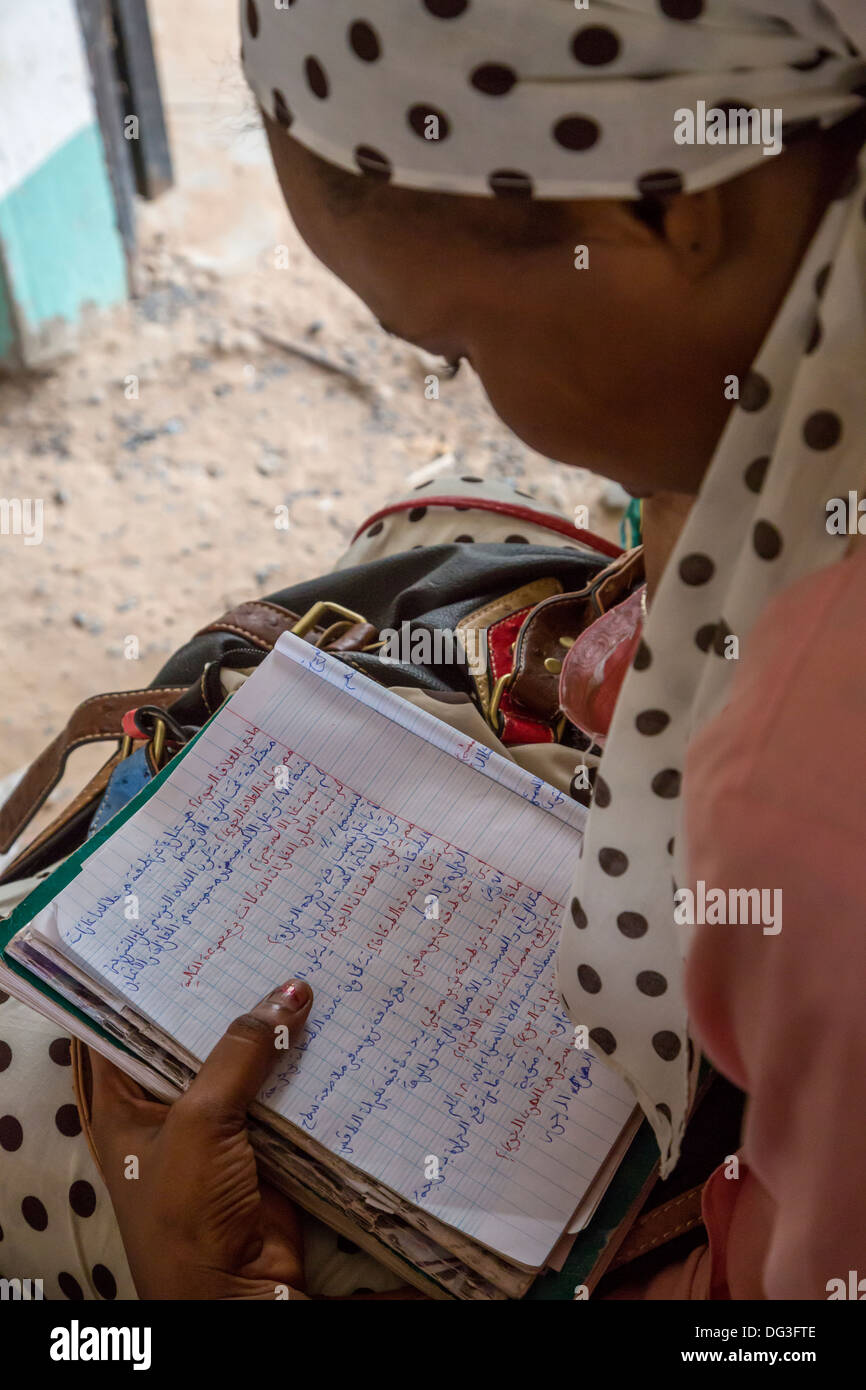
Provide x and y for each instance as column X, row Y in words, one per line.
column 538, row 98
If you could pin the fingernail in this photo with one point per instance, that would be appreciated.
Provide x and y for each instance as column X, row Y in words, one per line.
column 294, row 996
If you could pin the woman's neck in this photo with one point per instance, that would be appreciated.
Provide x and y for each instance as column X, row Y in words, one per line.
column 662, row 519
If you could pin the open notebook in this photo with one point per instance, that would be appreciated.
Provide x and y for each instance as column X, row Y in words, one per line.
column 321, row 826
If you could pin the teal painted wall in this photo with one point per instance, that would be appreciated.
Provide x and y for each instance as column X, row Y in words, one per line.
column 7, row 329
column 59, row 242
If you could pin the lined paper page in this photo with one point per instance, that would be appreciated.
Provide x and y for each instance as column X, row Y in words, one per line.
column 296, row 838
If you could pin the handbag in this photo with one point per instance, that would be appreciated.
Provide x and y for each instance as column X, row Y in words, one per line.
column 521, row 606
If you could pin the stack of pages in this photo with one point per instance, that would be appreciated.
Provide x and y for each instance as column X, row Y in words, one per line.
column 436, row 1108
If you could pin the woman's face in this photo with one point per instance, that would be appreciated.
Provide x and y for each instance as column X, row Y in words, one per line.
column 618, row 367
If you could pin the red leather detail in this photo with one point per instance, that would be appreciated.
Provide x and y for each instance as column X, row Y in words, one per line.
column 596, row 666
column 500, row 636
column 549, row 520
column 517, row 726
column 520, row 728
column 129, row 726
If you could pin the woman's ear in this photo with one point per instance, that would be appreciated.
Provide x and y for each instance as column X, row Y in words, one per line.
column 693, row 230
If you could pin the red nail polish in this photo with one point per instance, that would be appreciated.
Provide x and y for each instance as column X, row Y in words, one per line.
column 295, row 995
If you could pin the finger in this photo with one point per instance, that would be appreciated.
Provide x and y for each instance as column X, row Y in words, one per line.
column 237, row 1067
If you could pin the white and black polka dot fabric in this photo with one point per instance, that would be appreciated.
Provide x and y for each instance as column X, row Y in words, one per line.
column 56, row 1218
column 536, row 98
column 795, row 440
column 465, row 521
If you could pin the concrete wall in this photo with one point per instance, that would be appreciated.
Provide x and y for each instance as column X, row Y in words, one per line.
column 61, row 255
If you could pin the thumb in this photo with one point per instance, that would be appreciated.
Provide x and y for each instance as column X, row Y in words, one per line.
column 120, row 1111
column 237, row 1068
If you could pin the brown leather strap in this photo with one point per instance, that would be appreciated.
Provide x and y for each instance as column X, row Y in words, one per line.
column 99, row 718
column 619, row 578
column 660, row 1225
column 539, row 654
column 544, row 638
column 94, row 721
column 261, row 623
column 258, row 621
column 355, row 638
column 19, row 866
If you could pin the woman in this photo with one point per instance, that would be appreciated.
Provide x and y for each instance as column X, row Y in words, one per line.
column 646, row 287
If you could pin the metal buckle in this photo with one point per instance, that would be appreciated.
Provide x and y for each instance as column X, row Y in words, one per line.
column 498, row 690
column 495, row 718
column 318, row 610
column 157, row 741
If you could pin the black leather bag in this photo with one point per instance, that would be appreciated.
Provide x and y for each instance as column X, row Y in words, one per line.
column 432, row 588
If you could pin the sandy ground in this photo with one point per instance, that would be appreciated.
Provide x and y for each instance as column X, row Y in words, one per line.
column 159, row 511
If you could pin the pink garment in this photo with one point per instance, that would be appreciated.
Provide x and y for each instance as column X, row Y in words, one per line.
column 775, row 797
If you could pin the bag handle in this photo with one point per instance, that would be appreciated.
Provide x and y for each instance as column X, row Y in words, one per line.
column 97, row 720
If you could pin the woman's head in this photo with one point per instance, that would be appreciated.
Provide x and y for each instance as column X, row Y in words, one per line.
column 614, row 357
column 619, row 367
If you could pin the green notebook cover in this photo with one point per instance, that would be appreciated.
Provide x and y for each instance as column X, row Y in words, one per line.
column 64, row 874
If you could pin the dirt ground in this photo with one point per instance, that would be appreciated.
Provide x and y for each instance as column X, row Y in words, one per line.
column 159, row 511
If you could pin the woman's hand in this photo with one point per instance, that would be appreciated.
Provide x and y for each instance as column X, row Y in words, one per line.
column 195, row 1220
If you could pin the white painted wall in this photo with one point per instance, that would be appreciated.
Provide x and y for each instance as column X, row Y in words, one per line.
column 45, row 92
